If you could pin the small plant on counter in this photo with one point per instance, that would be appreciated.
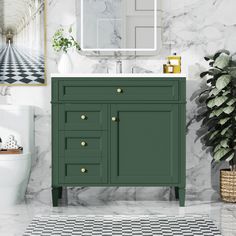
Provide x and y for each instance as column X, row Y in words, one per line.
column 63, row 43
column 219, row 118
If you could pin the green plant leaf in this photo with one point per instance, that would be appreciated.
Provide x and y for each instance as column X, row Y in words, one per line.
column 226, row 93
column 214, row 71
column 213, row 134
column 211, row 63
column 212, row 114
column 218, row 112
column 211, row 103
column 204, row 74
column 232, row 71
column 219, row 52
column 223, row 121
column 224, row 130
column 223, row 81
column 218, row 147
column 207, row 58
column 220, row 100
column 224, row 143
column 214, row 92
column 220, row 153
column 231, row 102
column 222, row 61
column 230, row 157
column 228, row 109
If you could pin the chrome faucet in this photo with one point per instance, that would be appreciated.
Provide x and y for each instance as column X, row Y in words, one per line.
column 119, row 68
column 119, row 65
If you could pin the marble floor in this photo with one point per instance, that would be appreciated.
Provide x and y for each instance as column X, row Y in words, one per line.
column 20, row 66
column 13, row 221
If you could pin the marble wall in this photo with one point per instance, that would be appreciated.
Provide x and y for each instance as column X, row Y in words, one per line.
column 192, row 28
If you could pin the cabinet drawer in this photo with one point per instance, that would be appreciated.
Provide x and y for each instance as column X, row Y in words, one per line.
column 119, row 91
column 82, row 173
column 83, row 117
column 83, row 145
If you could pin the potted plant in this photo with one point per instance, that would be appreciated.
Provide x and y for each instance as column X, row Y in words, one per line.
column 62, row 43
column 219, row 118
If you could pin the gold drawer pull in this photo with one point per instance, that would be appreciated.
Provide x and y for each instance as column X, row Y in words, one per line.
column 119, row 90
column 83, row 117
column 83, row 170
column 114, row 119
column 83, row 144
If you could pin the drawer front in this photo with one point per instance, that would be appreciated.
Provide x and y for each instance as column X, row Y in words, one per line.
column 83, row 117
column 83, row 157
column 80, row 145
column 119, row 91
column 82, row 173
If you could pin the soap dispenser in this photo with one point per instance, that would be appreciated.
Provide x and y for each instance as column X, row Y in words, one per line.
column 175, row 60
column 168, row 68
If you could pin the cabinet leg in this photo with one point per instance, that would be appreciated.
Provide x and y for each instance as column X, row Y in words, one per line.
column 55, row 196
column 60, row 192
column 182, row 197
column 177, row 193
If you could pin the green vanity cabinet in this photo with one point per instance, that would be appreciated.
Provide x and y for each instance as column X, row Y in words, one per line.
column 118, row 132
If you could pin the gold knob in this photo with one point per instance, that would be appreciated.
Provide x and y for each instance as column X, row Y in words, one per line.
column 114, row 118
column 83, row 117
column 83, row 170
column 119, row 90
column 83, row 144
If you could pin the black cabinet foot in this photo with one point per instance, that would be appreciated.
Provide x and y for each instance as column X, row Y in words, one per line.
column 60, row 192
column 177, row 193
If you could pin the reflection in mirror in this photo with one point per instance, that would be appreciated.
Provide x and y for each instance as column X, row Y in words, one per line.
column 120, row 25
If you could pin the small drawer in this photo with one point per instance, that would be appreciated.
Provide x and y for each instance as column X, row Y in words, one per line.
column 80, row 146
column 82, row 170
column 82, row 173
column 159, row 90
column 82, row 117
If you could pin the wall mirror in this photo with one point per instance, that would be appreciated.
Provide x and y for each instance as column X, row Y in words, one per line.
column 120, row 26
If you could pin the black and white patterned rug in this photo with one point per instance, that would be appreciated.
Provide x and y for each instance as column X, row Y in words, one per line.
column 19, row 66
column 121, row 225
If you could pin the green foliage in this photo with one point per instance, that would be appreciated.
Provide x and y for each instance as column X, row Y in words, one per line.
column 63, row 43
column 220, row 117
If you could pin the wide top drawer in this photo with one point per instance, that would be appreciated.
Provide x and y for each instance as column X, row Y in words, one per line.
column 159, row 90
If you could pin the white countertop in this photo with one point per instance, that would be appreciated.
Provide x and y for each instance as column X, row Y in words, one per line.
column 120, row 75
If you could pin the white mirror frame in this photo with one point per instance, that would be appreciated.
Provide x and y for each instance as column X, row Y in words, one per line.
column 119, row 49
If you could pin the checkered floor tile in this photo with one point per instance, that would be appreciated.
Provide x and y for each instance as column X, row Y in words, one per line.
column 121, row 225
column 19, row 66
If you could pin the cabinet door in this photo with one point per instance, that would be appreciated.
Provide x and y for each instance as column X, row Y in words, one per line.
column 144, row 144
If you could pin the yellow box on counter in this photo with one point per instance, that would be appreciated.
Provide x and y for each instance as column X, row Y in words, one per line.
column 175, row 61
